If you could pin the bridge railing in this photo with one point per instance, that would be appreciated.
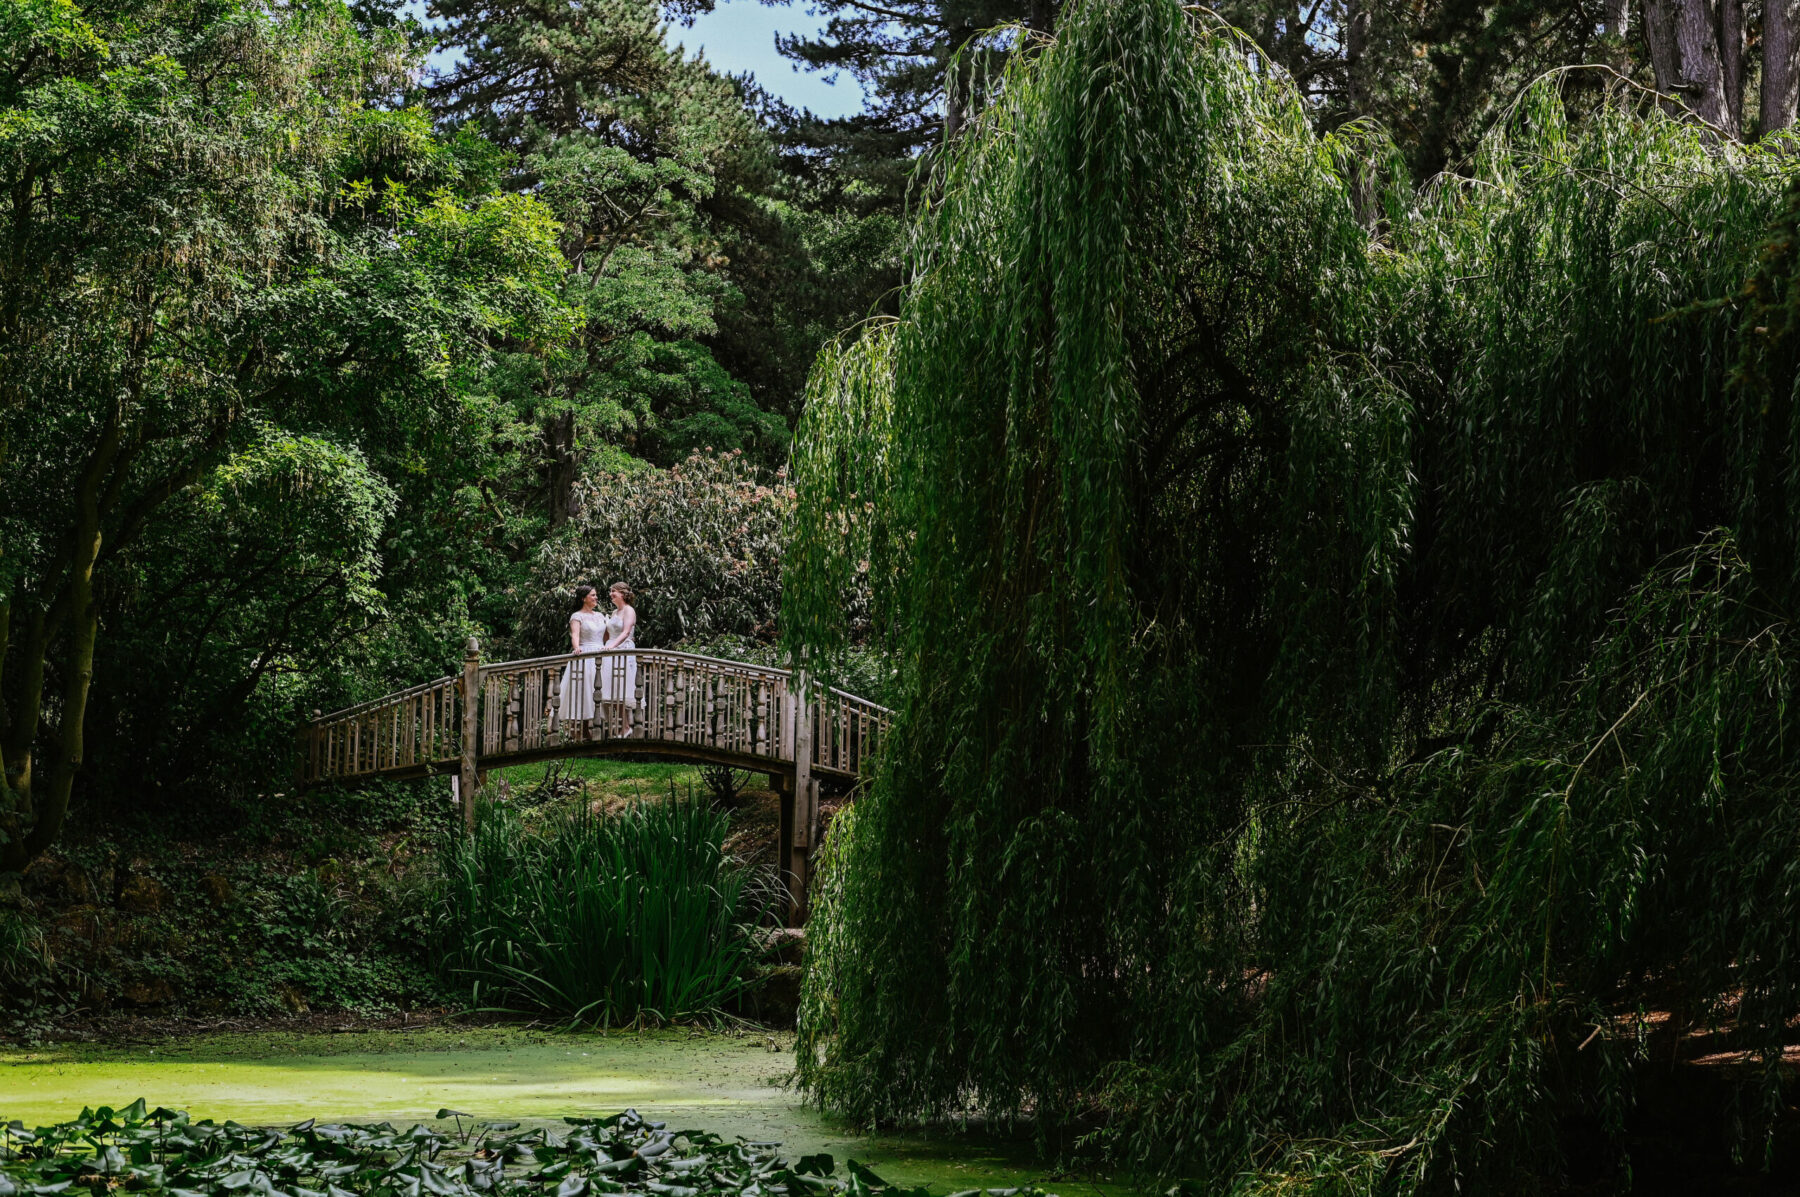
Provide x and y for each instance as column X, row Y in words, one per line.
column 847, row 731
column 417, row 730
column 727, row 711
column 719, row 707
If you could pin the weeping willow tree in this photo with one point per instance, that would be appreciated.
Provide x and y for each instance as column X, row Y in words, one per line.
column 1343, row 625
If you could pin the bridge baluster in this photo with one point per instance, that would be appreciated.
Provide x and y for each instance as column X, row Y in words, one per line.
column 711, row 708
column 759, row 720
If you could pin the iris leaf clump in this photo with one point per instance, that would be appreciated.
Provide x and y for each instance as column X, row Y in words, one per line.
column 636, row 916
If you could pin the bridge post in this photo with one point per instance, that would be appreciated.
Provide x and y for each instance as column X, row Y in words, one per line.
column 805, row 804
column 467, row 780
column 784, row 847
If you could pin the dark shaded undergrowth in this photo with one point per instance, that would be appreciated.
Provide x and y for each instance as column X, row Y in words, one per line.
column 271, row 907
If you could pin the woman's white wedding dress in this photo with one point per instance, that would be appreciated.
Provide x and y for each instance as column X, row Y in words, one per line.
column 577, row 698
column 615, row 677
column 618, row 675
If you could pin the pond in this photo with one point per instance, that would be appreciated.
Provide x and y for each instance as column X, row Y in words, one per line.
column 729, row 1084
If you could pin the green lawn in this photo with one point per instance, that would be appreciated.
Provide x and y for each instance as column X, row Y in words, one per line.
column 608, row 778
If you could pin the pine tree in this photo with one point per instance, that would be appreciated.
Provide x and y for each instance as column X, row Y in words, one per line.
column 627, row 139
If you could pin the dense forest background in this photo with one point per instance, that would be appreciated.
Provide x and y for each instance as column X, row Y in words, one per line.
column 309, row 351
column 1318, row 475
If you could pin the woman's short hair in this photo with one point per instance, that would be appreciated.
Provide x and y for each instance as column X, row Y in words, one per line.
column 621, row 588
column 581, row 593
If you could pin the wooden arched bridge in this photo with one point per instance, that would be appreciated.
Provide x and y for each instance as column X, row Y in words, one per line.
column 677, row 705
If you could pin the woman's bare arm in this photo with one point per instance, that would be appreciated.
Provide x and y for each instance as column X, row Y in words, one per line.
column 574, row 634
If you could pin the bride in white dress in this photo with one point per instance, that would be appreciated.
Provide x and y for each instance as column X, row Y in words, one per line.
column 614, row 677
column 587, row 634
column 618, row 675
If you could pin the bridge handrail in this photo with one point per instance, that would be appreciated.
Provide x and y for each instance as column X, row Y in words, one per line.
column 528, row 662
column 371, row 704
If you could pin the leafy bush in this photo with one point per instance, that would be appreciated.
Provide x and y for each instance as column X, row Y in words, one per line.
column 699, row 543
column 165, row 1151
column 638, row 916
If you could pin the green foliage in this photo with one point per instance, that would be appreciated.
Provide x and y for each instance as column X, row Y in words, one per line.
column 1332, row 715
column 165, row 1151
column 315, row 901
column 809, row 258
column 628, row 141
column 634, row 917
column 233, row 318
column 700, row 544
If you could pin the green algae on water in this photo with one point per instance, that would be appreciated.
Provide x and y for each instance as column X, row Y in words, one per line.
column 732, row 1084
column 163, row 1151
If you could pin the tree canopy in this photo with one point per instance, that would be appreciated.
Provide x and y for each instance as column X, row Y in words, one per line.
column 1341, row 623
column 234, row 285
column 305, row 350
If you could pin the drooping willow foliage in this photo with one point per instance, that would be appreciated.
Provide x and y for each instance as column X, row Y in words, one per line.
column 1342, row 626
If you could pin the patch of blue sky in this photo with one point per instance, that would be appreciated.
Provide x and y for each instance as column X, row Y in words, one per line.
column 738, row 37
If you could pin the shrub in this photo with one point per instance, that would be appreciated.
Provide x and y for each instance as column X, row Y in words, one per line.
column 637, row 916
column 700, row 544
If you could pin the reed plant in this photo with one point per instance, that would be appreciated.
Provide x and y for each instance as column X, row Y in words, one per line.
column 634, row 917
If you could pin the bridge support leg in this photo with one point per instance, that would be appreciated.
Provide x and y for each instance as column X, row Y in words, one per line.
column 794, row 843
column 468, row 780
column 804, row 819
column 784, row 850
column 806, row 833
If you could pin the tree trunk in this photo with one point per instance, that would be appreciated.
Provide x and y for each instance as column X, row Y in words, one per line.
column 559, row 447
column 1615, row 25
column 1781, row 21
column 1731, row 61
column 51, row 799
column 36, row 807
column 1700, row 71
column 1659, row 34
column 1617, row 22
column 1356, row 45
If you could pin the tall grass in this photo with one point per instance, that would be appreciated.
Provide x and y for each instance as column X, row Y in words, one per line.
column 636, row 916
